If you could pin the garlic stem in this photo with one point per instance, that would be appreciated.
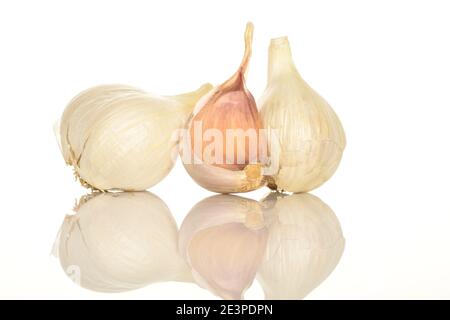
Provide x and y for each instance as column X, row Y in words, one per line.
column 237, row 81
column 248, row 38
column 280, row 59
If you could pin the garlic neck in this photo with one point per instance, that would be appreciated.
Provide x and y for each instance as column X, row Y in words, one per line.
column 187, row 101
column 280, row 60
column 191, row 98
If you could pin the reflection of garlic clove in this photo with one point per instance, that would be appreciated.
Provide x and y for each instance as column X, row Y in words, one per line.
column 226, row 257
column 121, row 241
column 120, row 137
column 304, row 246
column 223, row 151
column 309, row 133
column 223, row 239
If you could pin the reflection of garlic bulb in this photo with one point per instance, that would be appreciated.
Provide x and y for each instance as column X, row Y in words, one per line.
column 119, row 137
column 223, row 153
column 310, row 138
column 120, row 241
column 304, row 246
column 223, row 239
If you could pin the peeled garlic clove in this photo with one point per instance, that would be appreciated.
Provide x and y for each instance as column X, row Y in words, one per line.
column 304, row 246
column 309, row 133
column 120, row 241
column 222, row 152
column 223, row 240
column 120, row 137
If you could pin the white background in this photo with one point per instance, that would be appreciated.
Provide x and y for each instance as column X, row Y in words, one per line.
column 384, row 66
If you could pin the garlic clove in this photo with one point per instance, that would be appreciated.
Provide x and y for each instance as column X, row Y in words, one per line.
column 120, row 241
column 225, row 135
column 223, row 240
column 225, row 258
column 305, row 244
column 309, row 133
column 120, row 137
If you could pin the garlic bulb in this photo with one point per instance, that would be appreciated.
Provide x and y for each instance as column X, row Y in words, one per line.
column 120, row 137
column 305, row 244
column 310, row 136
column 223, row 240
column 120, row 241
column 222, row 149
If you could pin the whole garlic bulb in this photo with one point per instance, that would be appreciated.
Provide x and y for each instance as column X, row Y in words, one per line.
column 120, row 241
column 222, row 150
column 304, row 246
column 310, row 137
column 120, row 137
column 223, row 240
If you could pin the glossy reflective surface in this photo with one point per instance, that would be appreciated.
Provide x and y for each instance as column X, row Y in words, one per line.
column 117, row 242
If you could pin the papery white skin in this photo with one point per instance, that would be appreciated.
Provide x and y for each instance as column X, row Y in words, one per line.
column 120, row 137
column 304, row 246
column 223, row 240
column 121, row 241
column 311, row 137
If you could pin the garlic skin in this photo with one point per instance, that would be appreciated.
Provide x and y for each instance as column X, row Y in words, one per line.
column 214, row 155
column 310, row 135
column 223, row 239
column 304, row 246
column 120, row 241
column 120, row 137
